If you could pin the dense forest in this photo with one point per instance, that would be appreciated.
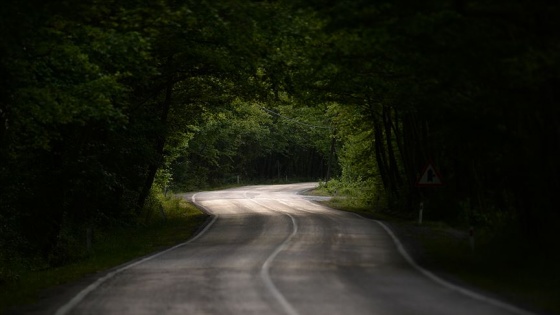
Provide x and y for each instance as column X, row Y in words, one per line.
column 102, row 103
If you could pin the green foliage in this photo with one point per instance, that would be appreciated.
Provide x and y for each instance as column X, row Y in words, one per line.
column 104, row 106
column 102, row 102
column 112, row 246
column 461, row 85
column 251, row 141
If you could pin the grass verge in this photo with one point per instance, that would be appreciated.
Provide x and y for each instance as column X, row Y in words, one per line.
column 507, row 269
column 112, row 247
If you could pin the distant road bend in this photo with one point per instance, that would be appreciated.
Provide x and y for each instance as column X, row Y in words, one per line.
column 270, row 250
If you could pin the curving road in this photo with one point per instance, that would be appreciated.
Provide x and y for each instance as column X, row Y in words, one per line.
column 270, row 250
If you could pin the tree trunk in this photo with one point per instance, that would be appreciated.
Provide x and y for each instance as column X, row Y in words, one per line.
column 331, row 156
column 159, row 146
column 380, row 154
column 393, row 165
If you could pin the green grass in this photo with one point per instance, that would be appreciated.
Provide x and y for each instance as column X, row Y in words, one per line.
column 111, row 248
column 509, row 268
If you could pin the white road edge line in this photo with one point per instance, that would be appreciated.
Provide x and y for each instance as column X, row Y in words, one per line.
column 63, row 310
column 443, row 282
column 265, row 268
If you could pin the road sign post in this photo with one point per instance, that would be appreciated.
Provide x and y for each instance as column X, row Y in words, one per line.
column 429, row 177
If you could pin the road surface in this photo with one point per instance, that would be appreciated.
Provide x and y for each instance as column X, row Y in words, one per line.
column 270, row 250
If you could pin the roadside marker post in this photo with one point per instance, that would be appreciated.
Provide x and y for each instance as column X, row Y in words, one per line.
column 471, row 237
column 420, row 213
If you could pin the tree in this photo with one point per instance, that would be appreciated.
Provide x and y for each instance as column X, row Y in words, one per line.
column 462, row 83
column 101, row 96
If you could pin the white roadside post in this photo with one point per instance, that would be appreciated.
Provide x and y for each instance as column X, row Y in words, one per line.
column 420, row 213
column 471, row 237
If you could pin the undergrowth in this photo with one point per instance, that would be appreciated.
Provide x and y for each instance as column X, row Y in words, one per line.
column 166, row 221
column 360, row 195
column 500, row 263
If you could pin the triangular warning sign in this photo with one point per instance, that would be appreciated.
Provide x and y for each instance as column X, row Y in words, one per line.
column 430, row 177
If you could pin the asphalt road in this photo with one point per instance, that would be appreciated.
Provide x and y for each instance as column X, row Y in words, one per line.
column 270, row 250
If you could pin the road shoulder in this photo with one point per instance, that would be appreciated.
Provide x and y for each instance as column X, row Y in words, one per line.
column 446, row 252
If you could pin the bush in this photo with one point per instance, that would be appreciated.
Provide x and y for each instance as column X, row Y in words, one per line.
column 362, row 194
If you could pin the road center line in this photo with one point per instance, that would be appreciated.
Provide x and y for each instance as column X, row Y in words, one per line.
column 265, row 268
